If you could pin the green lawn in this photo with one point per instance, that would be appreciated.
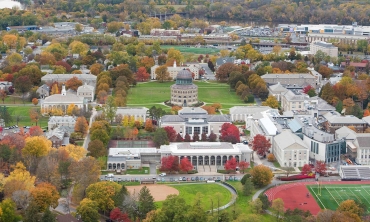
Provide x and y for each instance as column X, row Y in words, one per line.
column 23, row 112
column 192, row 49
column 207, row 191
column 332, row 195
column 153, row 93
column 138, row 171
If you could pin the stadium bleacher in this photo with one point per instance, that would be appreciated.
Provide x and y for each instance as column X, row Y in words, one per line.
column 355, row 172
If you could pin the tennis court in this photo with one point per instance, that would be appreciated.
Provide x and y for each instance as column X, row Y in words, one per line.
column 131, row 143
column 330, row 196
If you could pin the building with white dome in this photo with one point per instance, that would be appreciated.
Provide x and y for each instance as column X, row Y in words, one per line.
column 184, row 92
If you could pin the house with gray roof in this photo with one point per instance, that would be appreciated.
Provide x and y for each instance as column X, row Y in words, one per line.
column 223, row 60
column 194, row 120
column 43, row 91
column 276, row 90
column 334, row 121
column 290, row 150
column 86, row 91
column 56, row 121
column 247, row 114
column 60, row 136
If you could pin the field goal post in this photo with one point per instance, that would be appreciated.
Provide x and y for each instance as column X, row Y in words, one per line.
column 319, row 186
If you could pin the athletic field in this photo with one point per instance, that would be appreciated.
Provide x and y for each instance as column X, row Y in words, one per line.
column 330, row 196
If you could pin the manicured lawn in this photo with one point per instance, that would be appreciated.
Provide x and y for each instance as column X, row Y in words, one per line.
column 276, row 164
column 242, row 202
column 192, row 49
column 138, row 171
column 207, row 191
column 154, row 93
column 23, row 112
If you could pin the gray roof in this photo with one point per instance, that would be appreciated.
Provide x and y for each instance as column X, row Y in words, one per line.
column 218, row 118
column 62, row 119
column 278, row 88
column 171, row 118
column 223, row 60
column 184, row 74
column 338, row 119
column 294, row 125
column 50, row 77
column 363, row 140
column 324, row 44
column 248, row 109
column 192, row 110
column 345, row 132
column 288, row 76
column 59, row 98
column 45, row 87
column 85, row 88
column 287, row 138
column 132, row 111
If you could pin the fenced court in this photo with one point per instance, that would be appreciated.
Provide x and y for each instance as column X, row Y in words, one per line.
column 330, row 196
column 131, row 143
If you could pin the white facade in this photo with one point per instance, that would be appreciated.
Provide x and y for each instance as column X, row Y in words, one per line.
column 139, row 113
column 290, row 150
column 89, row 79
column 247, row 113
column 327, row 48
column 173, row 70
column 86, row 91
column 55, row 121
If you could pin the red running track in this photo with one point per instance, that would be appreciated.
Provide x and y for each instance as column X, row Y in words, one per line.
column 294, row 195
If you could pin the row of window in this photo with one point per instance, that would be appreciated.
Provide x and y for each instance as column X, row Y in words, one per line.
column 180, row 100
column 184, row 92
column 184, row 96
column 189, row 130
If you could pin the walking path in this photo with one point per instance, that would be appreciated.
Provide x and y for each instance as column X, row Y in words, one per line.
column 87, row 138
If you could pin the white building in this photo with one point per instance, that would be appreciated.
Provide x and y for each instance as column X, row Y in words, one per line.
column 207, row 156
column 127, row 158
column 173, row 70
column 55, row 121
column 139, row 113
column 327, row 48
column 277, row 90
column 89, row 79
column 192, row 120
column 294, row 79
column 290, row 150
column 86, row 91
column 264, row 126
column 247, row 113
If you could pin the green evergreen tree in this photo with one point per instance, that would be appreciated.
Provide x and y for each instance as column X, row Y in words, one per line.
column 48, row 216
column 248, row 187
column 339, row 107
column 32, row 213
column 160, row 137
column 146, row 202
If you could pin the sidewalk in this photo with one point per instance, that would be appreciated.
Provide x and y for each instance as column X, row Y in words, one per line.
column 257, row 160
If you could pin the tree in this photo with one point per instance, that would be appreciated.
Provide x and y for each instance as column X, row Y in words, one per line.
column 35, row 131
column 325, row 71
column 171, row 133
column 169, row 164
column 272, row 102
column 311, row 93
column 320, row 167
column 32, row 213
column 351, row 209
column 210, row 110
column 217, row 106
column 23, row 85
column 103, row 194
column 224, row 71
column 100, row 134
column 248, row 187
column 306, row 169
column 261, row 175
column 35, row 101
column 74, row 152
column 229, row 133
column 35, row 115
column 45, row 195
column 88, row 210
column 48, row 216
column 271, row 157
column 114, row 26
column 179, row 138
column 243, row 166
column 8, row 211
column 277, row 208
column 21, row 175
column 204, row 137
column 142, row 75
column 110, row 109
column 185, row 165
column 211, row 66
column 78, row 47
column 187, row 138
column 161, row 73
column 3, row 95
column 146, row 202
column 96, row 148
column 118, row 216
column 35, row 148
column 81, row 125
column 160, row 137
column 149, row 125
column 212, row 137
column 73, row 83
column 231, row 164
column 196, row 137
column 256, row 206
column 260, row 144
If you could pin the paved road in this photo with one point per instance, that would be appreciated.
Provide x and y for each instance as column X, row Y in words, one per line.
column 87, row 138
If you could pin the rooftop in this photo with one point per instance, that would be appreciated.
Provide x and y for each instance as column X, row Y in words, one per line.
column 286, row 138
column 324, row 44
column 288, row 76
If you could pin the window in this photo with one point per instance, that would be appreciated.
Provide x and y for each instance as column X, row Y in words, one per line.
column 197, row 130
column 189, row 130
column 205, row 129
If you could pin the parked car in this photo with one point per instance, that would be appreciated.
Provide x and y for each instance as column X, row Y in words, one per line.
column 183, row 179
column 192, row 179
column 196, row 178
column 180, row 179
column 162, row 174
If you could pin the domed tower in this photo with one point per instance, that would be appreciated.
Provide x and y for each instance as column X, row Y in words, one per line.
column 184, row 92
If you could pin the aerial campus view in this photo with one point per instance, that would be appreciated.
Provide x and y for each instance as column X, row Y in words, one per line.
column 197, row 110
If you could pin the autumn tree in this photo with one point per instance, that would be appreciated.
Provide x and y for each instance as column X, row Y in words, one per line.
column 320, row 167
column 45, row 195
column 3, row 95
column 223, row 72
column 162, row 73
column 175, row 109
column 35, row 101
column 35, row 115
column 325, row 71
column 73, row 83
column 271, row 157
column 74, row 152
column 100, row 134
column 110, row 109
column 8, row 211
column 96, row 148
column 212, row 137
column 187, row 138
column 35, row 131
column 260, row 144
column 35, row 148
column 18, row 179
column 243, row 166
column 171, row 133
column 271, row 101
column 169, row 164
column 277, row 208
column 229, row 133
column 261, row 175
column 160, row 137
column 142, row 75
column 117, row 215
column 306, row 169
column 81, row 125
column 217, row 106
column 351, row 209
column 210, row 109
column 149, row 125
column 88, row 210
column 231, row 164
column 78, row 47
column 179, row 138
column 185, row 165
column 23, row 85
column 103, row 194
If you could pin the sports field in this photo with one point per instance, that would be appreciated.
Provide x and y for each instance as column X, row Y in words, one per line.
column 330, row 196
column 192, row 49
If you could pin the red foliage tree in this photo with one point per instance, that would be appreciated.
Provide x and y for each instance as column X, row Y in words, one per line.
column 185, row 165
column 118, row 216
column 196, row 137
column 307, row 88
column 260, row 144
column 179, row 138
column 320, row 167
column 229, row 133
column 64, row 64
column 231, row 164
column 243, row 166
column 171, row 133
column 212, row 137
column 306, row 169
column 169, row 164
column 142, row 75
column 204, row 137
column 35, row 131
column 187, row 138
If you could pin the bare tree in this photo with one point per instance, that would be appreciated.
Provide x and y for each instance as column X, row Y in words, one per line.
column 22, row 199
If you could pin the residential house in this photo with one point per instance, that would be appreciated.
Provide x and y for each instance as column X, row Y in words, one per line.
column 43, row 91
column 56, row 121
column 86, row 91
column 334, row 121
column 60, row 136
column 277, row 90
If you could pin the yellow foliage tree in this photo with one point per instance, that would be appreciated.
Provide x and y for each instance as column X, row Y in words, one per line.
column 54, row 89
column 36, row 146
column 103, row 194
column 75, row 152
column 21, row 175
column 131, row 121
column 125, row 121
column 70, row 109
column 2, row 182
column 10, row 40
column 78, row 47
column 45, row 195
column 272, row 102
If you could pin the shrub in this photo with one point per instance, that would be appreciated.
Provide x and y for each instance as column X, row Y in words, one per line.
column 297, row 177
column 245, row 177
column 271, row 157
column 249, row 98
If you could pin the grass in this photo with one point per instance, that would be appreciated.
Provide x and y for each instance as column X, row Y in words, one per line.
column 138, row 171
column 208, row 92
column 207, row 191
column 276, row 164
column 15, row 99
column 192, row 49
column 242, row 202
column 23, row 112
column 332, row 195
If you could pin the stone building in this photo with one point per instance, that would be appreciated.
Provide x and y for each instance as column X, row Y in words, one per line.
column 184, row 92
